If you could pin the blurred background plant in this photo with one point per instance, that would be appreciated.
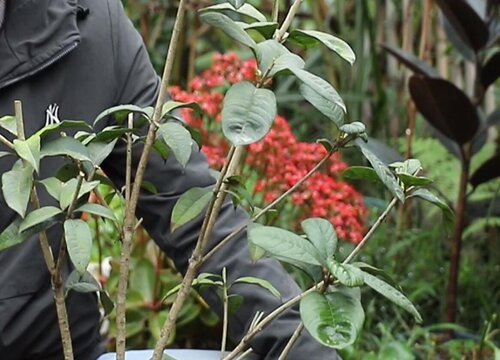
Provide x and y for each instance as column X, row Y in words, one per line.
column 375, row 91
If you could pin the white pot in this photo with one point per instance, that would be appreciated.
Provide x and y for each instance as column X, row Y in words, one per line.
column 178, row 354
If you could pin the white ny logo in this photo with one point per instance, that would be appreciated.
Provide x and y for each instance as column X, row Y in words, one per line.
column 52, row 115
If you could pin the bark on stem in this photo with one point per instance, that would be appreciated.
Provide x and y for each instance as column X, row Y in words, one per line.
column 55, row 275
column 456, row 241
column 196, row 258
column 131, row 206
column 288, row 20
column 292, row 341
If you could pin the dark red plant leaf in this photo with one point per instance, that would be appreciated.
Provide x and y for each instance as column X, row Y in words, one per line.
column 466, row 22
column 446, row 107
column 486, row 172
column 411, row 61
column 491, row 70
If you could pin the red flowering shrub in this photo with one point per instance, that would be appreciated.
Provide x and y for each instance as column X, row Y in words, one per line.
column 279, row 160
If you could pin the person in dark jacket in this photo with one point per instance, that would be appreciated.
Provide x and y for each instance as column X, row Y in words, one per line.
column 81, row 58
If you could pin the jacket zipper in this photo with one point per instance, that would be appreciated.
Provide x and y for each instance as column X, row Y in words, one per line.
column 59, row 55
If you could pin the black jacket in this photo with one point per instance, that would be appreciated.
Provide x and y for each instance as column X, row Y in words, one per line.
column 49, row 55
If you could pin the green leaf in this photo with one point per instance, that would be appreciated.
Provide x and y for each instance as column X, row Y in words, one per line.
column 171, row 106
column 4, row 153
column 347, row 274
column 110, row 133
column 266, row 29
column 261, row 282
column 391, row 293
column 65, row 146
column 12, row 236
column 322, row 235
column 228, row 26
column 361, row 173
column 106, row 302
column 39, row 216
column 248, row 113
column 327, row 107
column 384, row 173
column 79, row 243
column 161, row 148
column 29, row 150
column 53, row 186
column 96, row 209
column 178, row 139
column 121, row 112
column 149, row 186
column 377, row 272
column 311, row 38
column 65, row 124
column 354, row 128
column 429, row 196
column 99, row 151
column 189, row 206
column 283, row 245
column 245, row 9
column 16, row 188
column 237, row 3
column 9, row 123
column 271, row 53
column 203, row 279
column 334, row 319
column 410, row 180
column 82, row 282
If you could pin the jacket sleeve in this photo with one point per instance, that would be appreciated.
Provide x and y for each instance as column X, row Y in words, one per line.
column 138, row 84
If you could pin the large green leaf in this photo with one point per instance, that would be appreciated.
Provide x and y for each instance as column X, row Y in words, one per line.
column 248, row 113
column 322, row 234
column 311, row 38
column 178, row 139
column 271, row 53
column 65, row 146
column 9, row 123
column 82, row 282
column 189, row 206
column 99, row 210
column 266, row 29
column 53, row 186
column 334, row 319
column 170, row 106
column 65, row 124
column 260, row 282
column 391, row 293
column 429, row 196
column 237, row 3
column 16, row 187
column 347, row 274
column 29, row 150
column 12, row 236
column 99, row 151
column 39, row 216
column 229, row 26
column 325, row 106
column 79, row 243
column 321, row 95
column 284, row 245
column 245, row 9
column 361, row 173
column 121, row 112
column 383, row 171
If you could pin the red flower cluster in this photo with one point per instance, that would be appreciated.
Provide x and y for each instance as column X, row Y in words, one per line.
column 279, row 160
